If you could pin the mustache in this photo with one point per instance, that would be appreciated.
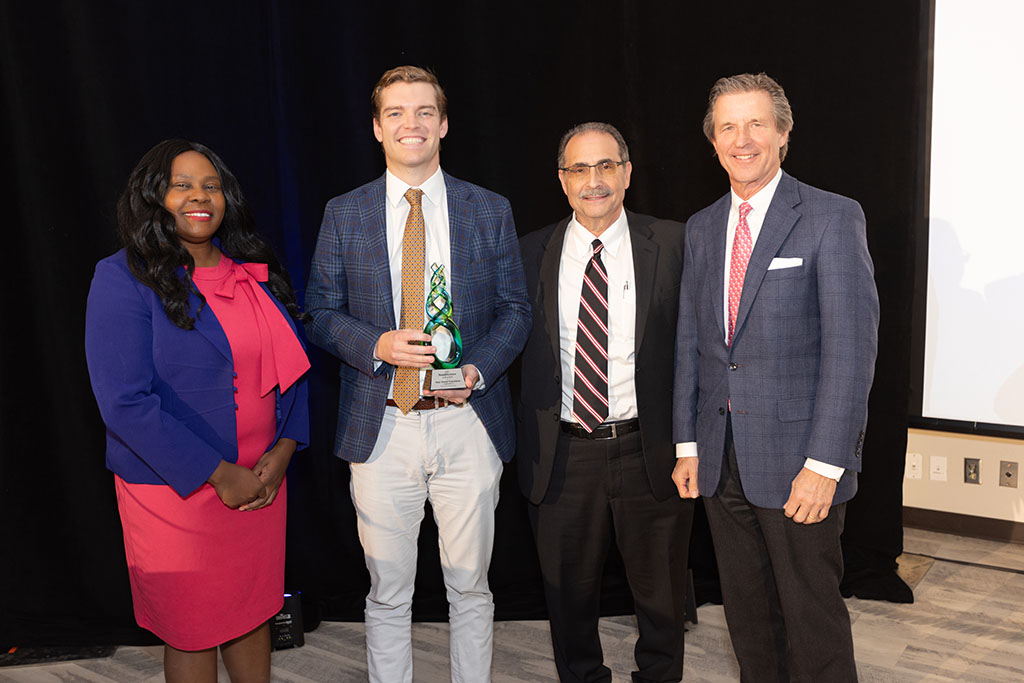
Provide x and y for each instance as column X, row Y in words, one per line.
column 595, row 192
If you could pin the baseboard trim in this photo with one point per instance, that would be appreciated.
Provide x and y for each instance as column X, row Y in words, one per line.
column 963, row 525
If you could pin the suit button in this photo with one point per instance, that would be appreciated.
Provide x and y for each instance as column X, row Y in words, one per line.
column 556, row 417
column 721, row 411
column 733, row 366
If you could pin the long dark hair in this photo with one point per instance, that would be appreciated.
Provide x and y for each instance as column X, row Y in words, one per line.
column 149, row 234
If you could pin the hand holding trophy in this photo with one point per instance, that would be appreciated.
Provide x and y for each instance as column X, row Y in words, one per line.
column 445, row 336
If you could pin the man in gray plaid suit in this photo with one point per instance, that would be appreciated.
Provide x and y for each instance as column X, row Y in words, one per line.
column 775, row 353
column 370, row 274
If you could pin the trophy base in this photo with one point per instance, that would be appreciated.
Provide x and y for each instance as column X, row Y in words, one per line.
column 443, row 380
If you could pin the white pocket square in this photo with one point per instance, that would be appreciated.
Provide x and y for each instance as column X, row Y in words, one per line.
column 785, row 262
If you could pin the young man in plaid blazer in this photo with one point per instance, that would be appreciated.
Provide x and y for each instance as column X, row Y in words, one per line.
column 443, row 446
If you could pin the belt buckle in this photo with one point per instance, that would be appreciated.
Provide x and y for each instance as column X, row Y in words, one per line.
column 615, row 432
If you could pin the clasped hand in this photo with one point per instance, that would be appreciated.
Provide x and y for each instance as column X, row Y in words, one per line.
column 810, row 497
column 244, row 489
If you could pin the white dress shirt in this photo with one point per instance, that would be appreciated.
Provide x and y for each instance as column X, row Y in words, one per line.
column 617, row 257
column 759, row 204
column 437, row 234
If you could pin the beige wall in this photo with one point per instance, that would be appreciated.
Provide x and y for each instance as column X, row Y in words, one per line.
column 985, row 500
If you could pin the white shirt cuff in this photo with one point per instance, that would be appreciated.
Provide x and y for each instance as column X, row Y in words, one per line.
column 687, row 449
column 824, row 469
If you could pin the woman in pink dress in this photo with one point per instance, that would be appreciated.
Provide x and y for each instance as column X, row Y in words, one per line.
column 198, row 371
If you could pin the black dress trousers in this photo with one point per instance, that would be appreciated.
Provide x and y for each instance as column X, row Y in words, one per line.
column 780, row 587
column 599, row 495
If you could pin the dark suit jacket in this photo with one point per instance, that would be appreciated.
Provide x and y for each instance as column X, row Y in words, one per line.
column 657, row 261
column 350, row 299
column 167, row 394
column 803, row 353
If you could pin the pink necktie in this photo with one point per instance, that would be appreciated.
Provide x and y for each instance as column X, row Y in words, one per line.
column 741, row 247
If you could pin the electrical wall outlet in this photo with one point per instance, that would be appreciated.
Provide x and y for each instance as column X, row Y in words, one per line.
column 937, row 468
column 1008, row 473
column 914, row 466
column 972, row 470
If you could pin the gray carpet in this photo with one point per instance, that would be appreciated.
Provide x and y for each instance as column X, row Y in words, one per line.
column 966, row 624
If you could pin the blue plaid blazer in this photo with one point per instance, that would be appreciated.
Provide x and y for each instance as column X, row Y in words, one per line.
column 802, row 359
column 349, row 296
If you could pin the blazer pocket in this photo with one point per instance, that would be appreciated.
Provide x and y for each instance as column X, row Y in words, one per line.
column 213, row 365
column 786, row 273
column 796, row 409
column 193, row 378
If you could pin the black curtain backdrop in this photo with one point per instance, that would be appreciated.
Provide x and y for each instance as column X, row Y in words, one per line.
column 281, row 91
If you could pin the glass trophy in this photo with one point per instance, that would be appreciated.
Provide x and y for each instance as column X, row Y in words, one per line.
column 444, row 335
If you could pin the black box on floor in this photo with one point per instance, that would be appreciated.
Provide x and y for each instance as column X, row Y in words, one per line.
column 286, row 626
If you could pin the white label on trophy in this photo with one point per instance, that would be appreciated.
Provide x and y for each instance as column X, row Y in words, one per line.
column 441, row 380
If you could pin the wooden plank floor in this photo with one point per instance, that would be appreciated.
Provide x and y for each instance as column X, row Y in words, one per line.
column 967, row 624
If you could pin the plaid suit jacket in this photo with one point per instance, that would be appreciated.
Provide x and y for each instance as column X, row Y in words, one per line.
column 802, row 359
column 350, row 299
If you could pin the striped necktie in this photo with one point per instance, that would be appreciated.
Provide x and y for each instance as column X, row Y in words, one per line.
column 590, row 386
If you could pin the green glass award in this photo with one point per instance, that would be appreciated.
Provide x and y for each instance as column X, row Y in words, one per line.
column 444, row 335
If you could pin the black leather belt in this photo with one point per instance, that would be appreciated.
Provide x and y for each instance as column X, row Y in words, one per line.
column 425, row 403
column 608, row 430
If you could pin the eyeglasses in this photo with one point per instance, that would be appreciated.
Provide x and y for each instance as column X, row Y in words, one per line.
column 606, row 168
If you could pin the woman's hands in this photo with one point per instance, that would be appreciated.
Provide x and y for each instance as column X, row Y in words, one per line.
column 244, row 489
column 270, row 469
column 236, row 485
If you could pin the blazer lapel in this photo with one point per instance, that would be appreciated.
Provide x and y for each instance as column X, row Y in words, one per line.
column 460, row 231
column 645, row 260
column 208, row 326
column 717, row 257
column 373, row 218
column 550, row 264
column 778, row 223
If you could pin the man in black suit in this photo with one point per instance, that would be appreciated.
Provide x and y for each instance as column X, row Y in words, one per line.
column 595, row 451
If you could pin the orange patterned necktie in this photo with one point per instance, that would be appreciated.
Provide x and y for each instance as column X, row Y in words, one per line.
column 741, row 249
column 407, row 391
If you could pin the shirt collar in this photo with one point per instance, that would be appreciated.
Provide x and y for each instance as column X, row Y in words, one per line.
column 433, row 187
column 760, row 202
column 581, row 238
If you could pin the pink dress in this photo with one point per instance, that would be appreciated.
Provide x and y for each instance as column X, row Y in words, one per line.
column 202, row 574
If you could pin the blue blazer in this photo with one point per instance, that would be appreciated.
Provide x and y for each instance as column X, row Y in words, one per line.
column 802, row 359
column 349, row 296
column 166, row 394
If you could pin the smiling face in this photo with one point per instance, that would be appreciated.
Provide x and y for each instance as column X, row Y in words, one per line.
column 747, row 141
column 195, row 199
column 410, row 128
column 595, row 197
